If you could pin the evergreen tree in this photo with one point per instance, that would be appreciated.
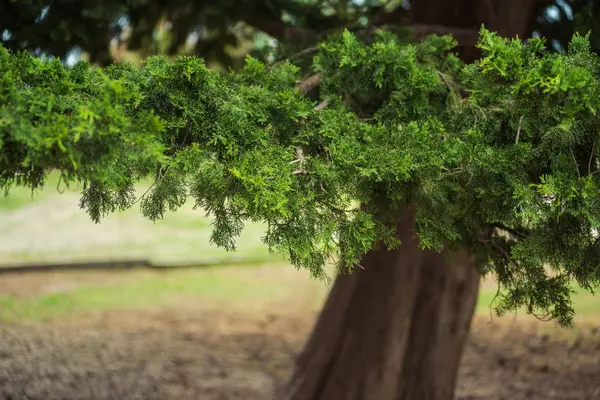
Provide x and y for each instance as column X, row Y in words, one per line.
column 208, row 27
column 411, row 167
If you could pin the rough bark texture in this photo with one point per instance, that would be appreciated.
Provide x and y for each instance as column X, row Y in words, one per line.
column 444, row 306
column 396, row 330
column 393, row 330
column 507, row 17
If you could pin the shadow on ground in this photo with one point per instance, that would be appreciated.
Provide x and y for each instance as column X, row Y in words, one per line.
column 204, row 354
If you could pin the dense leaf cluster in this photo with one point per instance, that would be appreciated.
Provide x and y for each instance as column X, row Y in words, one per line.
column 499, row 156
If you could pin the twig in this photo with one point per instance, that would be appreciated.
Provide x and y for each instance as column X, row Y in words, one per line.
column 299, row 156
column 519, row 130
column 508, row 229
column 306, row 51
column 157, row 180
column 494, row 300
column 61, row 178
column 591, row 157
column 453, row 171
column 160, row 173
column 441, row 75
column 321, row 105
column 506, row 256
column 299, row 159
column 496, row 245
column 575, row 161
column 309, row 83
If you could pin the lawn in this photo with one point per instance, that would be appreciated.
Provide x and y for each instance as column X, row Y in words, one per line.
column 50, row 228
column 20, row 197
column 42, row 296
column 63, row 294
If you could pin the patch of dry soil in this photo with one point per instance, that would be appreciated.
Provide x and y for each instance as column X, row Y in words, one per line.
column 195, row 354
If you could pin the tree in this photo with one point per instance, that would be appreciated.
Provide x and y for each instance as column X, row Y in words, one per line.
column 208, row 27
column 459, row 168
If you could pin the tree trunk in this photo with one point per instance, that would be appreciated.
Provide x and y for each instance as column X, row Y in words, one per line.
column 509, row 18
column 394, row 330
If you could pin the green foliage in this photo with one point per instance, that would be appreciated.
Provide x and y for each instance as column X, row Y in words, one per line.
column 222, row 31
column 499, row 156
column 210, row 28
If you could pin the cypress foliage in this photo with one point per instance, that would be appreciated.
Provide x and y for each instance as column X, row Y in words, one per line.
column 499, row 156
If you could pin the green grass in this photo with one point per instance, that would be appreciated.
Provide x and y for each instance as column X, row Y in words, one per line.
column 142, row 289
column 161, row 249
column 218, row 286
column 185, row 221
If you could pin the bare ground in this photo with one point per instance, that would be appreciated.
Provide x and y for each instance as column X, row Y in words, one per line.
column 235, row 352
column 201, row 353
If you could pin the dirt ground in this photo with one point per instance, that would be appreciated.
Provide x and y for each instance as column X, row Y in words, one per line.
column 208, row 355
column 227, row 353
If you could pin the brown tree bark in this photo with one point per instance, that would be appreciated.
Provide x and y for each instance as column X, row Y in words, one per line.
column 396, row 329
column 393, row 330
column 509, row 18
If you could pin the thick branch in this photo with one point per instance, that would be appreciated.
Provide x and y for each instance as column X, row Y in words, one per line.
column 321, row 105
column 309, row 83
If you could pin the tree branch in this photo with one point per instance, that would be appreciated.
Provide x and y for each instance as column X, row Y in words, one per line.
column 308, row 84
column 513, row 231
column 321, row 105
column 591, row 158
column 305, row 52
column 282, row 31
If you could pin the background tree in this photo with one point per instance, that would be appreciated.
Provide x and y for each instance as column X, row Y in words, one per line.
column 212, row 29
column 488, row 167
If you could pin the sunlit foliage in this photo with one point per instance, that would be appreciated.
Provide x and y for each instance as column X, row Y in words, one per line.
column 499, row 156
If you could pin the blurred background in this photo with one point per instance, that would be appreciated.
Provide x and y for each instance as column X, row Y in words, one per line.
column 223, row 325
